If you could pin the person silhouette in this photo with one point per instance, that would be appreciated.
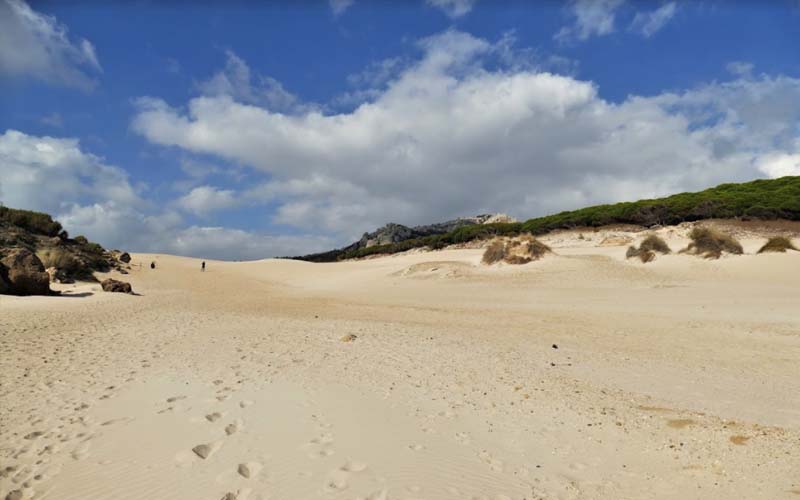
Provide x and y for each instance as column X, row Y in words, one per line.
column 152, row 265
column 203, row 266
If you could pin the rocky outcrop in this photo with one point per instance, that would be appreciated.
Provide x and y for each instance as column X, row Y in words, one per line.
column 67, row 259
column 23, row 274
column 112, row 285
column 396, row 233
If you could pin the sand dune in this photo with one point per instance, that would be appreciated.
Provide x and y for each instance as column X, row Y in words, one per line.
column 580, row 376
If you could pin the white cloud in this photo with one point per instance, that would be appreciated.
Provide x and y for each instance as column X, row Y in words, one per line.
column 237, row 81
column 780, row 165
column 740, row 68
column 205, row 199
column 339, row 6
column 48, row 173
column 649, row 23
column 235, row 244
column 53, row 119
column 452, row 134
column 592, row 18
column 89, row 197
column 453, row 8
column 36, row 45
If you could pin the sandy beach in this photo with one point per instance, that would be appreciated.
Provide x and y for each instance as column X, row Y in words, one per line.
column 423, row 375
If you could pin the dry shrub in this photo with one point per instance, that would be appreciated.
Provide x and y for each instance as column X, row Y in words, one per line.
column 710, row 243
column 643, row 254
column 60, row 259
column 648, row 248
column 647, row 256
column 778, row 244
column 494, row 252
column 654, row 243
column 519, row 250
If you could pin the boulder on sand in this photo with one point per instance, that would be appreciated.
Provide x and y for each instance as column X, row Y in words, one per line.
column 124, row 257
column 4, row 286
column 24, row 274
column 112, row 285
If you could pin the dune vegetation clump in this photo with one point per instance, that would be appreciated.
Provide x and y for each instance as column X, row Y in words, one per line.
column 648, row 248
column 644, row 255
column 495, row 252
column 778, row 244
column 520, row 250
column 655, row 244
column 58, row 258
column 711, row 243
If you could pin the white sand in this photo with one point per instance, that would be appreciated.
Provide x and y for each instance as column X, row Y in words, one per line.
column 675, row 379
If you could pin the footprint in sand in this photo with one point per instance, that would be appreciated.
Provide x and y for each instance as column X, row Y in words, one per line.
column 488, row 459
column 462, row 437
column 206, row 450
column 175, row 398
column 337, row 480
column 354, row 466
column 233, row 428
column 249, row 470
column 239, row 495
column 326, row 438
column 213, row 417
column 377, row 495
column 323, row 453
column 81, row 452
column 416, row 447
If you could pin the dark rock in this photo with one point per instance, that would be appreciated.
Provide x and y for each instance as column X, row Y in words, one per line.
column 125, row 257
column 4, row 286
column 555, row 346
column 112, row 285
column 24, row 273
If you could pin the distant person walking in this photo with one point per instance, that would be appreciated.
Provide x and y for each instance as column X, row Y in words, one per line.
column 203, row 266
column 152, row 265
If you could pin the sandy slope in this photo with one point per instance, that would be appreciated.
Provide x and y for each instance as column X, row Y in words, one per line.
column 676, row 379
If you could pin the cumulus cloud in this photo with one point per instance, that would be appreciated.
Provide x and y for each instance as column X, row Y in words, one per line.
column 591, row 18
column 90, row 197
column 237, row 81
column 453, row 8
column 649, row 23
column 205, row 199
column 45, row 172
column 780, row 165
column 37, row 46
column 459, row 132
column 235, row 244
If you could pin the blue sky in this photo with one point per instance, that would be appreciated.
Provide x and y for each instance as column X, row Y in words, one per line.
column 249, row 129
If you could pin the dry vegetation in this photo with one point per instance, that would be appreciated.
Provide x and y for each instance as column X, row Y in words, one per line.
column 648, row 248
column 520, row 250
column 778, row 244
column 711, row 243
column 60, row 259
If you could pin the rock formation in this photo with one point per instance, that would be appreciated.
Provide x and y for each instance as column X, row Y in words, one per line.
column 112, row 285
column 23, row 274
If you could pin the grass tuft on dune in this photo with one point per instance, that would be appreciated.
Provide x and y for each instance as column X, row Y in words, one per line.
column 778, row 244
